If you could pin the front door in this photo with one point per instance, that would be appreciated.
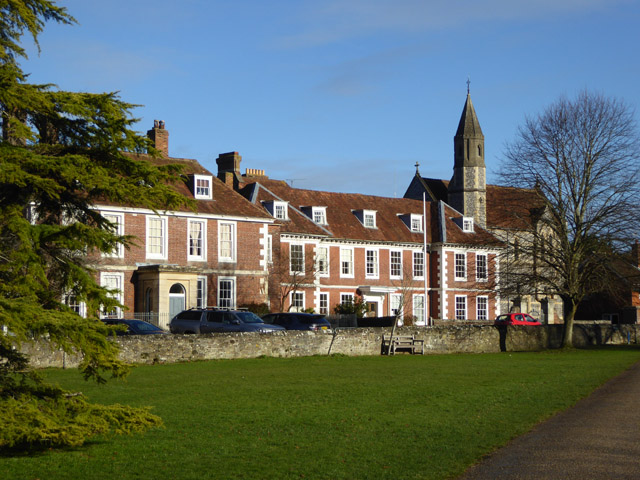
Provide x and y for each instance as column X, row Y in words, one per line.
column 176, row 300
column 373, row 306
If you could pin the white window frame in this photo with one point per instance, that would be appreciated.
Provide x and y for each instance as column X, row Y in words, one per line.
column 369, row 218
column 32, row 213
column 203, row 239
column 232, row 290
column 280, row 210
column 460, row 307
column 118, row 252
column 344, row 296
column 201, row 292
column 460, row 266
column 202, row 192
column 322, row 272
column 222, row 226
column 319, row 215
column 482, row 307
column 105, row 278
column 416, row 223
column 348, row 274
column 482, row 273
column 301, row 248
column 418, row 307
column 372, row 265
column 323, row 303
column 467, row 224
column 297, row 301
column 398, row 254
column 416, row 254
column 269, row 249
column 164, row 237
column 395, row 304
column 79, row 307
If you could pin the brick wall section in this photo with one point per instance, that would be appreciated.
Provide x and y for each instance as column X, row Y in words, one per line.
column 248, row 270
column 148, row 349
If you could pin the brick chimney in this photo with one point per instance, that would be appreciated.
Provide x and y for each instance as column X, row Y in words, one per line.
column 229, row 168
column 160, row 137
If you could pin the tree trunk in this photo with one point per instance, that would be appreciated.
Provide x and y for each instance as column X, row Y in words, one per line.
column 570, row 308
column 393, row 331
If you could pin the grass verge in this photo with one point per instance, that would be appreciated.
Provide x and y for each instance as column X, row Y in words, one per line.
column 426, row 417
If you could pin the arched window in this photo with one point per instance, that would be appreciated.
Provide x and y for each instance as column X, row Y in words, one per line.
column 176, row 299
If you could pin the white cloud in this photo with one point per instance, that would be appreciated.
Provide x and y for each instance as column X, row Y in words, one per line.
column 331, row 21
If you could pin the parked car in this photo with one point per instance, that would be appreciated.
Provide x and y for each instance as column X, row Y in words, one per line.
column 516, row 319
column 134, row 327
column 209, row 320
column 298, row 321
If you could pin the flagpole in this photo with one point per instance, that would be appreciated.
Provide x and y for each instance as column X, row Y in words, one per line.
column 426, row 270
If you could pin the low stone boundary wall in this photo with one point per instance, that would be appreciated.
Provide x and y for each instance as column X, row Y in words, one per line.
column 151, row 349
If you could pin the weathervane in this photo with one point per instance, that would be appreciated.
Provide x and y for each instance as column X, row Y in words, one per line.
column 468, row 85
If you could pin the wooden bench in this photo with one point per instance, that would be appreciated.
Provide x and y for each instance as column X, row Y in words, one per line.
column 402, row 342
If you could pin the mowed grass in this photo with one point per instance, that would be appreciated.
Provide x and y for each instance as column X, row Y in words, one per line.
column 419, row 417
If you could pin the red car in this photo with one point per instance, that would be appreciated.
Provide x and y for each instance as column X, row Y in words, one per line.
column 516, row 319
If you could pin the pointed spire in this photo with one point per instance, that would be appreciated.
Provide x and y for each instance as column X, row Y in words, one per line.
column 469, row 124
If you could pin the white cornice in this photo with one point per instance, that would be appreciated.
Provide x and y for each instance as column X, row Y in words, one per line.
column 208, row 216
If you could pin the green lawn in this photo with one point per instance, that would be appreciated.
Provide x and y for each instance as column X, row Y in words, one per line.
column 325, row 417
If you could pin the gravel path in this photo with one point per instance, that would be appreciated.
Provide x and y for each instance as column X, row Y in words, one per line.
column 599, row 438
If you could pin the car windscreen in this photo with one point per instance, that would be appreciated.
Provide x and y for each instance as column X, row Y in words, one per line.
column 190, row 315
column 248, row 317
column 311, row 319
column 141, row 326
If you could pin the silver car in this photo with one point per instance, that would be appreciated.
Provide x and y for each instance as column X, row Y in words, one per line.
column 210, row 320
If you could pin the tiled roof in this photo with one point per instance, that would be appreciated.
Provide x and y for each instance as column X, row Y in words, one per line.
column 343, row 223
column 225, row 201
column 512, row 208
column 507, row 207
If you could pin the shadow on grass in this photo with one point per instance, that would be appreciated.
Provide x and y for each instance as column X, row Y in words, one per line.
column 610, row 347
column 30, row 450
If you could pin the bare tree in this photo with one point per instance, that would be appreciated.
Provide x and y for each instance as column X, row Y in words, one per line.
column 407, row 287
column 581, row 158
column 286, row 277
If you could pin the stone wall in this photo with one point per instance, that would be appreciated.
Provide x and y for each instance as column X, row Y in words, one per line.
column 151, row 349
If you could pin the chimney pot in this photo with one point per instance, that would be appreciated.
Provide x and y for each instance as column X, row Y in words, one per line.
column 160, row 137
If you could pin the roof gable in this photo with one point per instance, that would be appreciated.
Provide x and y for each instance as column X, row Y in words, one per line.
column 343, row 223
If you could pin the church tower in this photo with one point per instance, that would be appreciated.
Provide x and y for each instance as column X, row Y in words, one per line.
column 467, row 189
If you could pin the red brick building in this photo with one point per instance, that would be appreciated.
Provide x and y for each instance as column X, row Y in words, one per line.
column 335, row 247
column 213, row 255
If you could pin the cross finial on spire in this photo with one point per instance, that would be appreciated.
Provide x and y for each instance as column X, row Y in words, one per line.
column 417, row 171
column 468, row 85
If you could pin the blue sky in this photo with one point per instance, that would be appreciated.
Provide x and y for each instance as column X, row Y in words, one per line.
column 341, row 95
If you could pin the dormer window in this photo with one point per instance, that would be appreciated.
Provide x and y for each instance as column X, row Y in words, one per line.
column 278, row 209
column 366, row 217
column 317, row 214
column 467, row 224
column 320, row 215
column 416, row 223
column 413, row 221
column 369, row 218
column 202, row 187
